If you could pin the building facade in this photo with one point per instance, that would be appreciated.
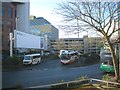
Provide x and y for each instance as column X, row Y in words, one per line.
column 15, row 16
column 44, row 26
column 46, row 29
column 83, row 45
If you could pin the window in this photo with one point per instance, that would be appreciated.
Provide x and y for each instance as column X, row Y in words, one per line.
column 9, row 23
column 15, row 13
column 2, row 40
column 34, row 57
column 3, row 11
column 26, row 57
column 9, row 12
column 3, row 23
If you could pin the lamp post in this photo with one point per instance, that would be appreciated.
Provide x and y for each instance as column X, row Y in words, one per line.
column 15, row 34
column 78, row 32
column 10, row 37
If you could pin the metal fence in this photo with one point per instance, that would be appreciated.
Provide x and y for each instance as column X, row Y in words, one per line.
column 68, row 84
column 103, row 81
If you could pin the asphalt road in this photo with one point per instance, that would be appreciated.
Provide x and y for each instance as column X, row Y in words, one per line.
column 48, row 72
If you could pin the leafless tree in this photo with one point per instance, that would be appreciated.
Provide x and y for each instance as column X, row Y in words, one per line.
column 99, row 16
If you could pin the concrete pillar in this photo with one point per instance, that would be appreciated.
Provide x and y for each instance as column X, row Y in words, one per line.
column 23, row 15
column 11, row 51
column 85, row 40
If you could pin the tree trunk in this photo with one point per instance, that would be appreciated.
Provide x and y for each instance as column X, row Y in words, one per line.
column 115, row 61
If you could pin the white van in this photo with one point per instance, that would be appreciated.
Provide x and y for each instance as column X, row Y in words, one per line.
column 32, row 59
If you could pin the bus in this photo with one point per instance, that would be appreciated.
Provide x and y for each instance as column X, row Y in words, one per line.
column 106, row 60
column 68, row 56
column 31, row 59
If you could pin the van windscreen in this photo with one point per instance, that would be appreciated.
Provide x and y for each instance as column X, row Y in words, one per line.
column 26, row 57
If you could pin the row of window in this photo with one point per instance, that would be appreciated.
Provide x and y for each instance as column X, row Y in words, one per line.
column 8, row 10
column 68, row 40
column 8, row 15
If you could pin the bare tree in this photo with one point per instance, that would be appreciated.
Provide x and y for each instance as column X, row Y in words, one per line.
column 99, row 16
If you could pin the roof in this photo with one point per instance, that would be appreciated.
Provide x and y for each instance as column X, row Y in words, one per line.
column 67, row 52
column 39, row 21
column 33, row 54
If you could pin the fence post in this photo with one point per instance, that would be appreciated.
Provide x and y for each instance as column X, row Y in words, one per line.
column 67, row 85
column 107, row 84
column 90, row 80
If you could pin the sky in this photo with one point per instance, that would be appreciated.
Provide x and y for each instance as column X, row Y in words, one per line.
column 45, row 9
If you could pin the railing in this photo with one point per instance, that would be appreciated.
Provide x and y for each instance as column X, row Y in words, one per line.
column 64, row 83
column 67, row 84
column 107, row 82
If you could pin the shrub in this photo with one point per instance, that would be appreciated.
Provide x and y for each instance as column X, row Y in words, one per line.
column 82, row 77
column 106, row 77
column 85, row 55
column 16, row 60
column 55, row 56
column 6, row 61
column 92, row 58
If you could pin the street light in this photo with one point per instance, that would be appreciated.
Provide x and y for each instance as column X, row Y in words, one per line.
column 15, row 34
column 78, row 32
column 10, row 38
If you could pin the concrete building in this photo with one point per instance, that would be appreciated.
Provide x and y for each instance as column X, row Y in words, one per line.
column 67, row 43
column 44, row 26
column 46, row 29
column 84, row 45
column 15, row 16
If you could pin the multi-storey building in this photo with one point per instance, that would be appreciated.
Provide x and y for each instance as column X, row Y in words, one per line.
column 45, row 28
column 84, row 45
column 66, row 43
column 15, row 16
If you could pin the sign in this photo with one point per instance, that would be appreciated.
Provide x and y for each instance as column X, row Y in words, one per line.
column 25, row 40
